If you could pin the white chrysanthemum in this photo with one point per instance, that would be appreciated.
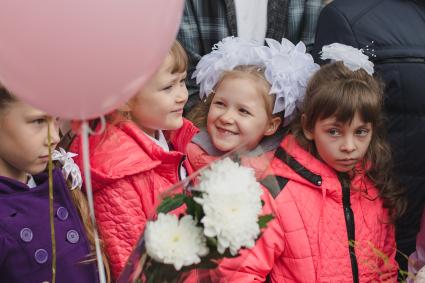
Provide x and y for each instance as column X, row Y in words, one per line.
column 352, row 58
column 231, row 200
column 173, row 241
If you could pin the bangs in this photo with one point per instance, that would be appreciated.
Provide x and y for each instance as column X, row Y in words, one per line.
column 180, row 60
column 343, row 100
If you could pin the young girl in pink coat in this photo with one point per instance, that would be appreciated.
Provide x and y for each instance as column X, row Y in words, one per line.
column 139, row 156
column 337, row 200
column 250, row 91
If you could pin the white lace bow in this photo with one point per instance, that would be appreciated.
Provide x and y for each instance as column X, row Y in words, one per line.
column 287, row 68
column 69, row 168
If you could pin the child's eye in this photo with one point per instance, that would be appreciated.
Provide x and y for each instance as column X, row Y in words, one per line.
column 218, row 103
column 39, row 121
column 244, row 111
column 183, row 81
column 168, row 87
column 362, row 132
column 334, row 132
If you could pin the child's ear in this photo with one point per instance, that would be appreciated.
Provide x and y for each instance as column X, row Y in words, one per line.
column 274, row 124
column 307, row 133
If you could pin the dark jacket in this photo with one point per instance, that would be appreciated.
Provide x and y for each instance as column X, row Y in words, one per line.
column 397, row 30
column 25, row 241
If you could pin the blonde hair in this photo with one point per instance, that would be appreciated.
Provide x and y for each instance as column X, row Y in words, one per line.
column 199, row 113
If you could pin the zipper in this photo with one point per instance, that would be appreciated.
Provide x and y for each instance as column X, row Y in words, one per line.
column 394, row 60
column 349, row 223
column 180, row 166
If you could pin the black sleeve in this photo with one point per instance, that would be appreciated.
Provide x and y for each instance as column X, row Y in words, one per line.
column 332, row 26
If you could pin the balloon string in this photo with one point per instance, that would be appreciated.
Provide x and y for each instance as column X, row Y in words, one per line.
column 52, row 222
column 87, row 176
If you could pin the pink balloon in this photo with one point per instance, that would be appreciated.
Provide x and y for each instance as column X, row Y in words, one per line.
column 79, row 59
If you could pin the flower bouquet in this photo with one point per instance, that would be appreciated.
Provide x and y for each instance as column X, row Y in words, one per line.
column 222, row 214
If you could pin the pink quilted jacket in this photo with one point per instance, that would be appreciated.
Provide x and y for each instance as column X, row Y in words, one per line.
column 198, row 158
column 129, row 171
column 309, row 239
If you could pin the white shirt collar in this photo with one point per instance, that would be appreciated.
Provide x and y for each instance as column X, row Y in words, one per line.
column 161, row 141
column 31, row 182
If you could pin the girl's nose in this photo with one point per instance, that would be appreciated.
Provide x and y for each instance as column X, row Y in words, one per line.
column 227, row 117
column 54, row 133
column 348, row 145
column 182, row 94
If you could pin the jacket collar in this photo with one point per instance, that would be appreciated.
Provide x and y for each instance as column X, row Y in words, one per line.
column 8, row 185
column 124, row 150
column 270, row 143
column 298, row 164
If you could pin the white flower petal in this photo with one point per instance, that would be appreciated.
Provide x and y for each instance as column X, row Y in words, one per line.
column 173, row 241
column 231, row 200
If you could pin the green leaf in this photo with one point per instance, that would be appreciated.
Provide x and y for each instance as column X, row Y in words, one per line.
column 207, row 265
column 194, row 208
column 264, row 219
column 212, row 242
column 171, row 203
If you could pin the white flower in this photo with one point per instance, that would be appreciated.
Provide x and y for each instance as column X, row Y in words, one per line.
column 173, row 241
column 231, row 200
column 352, row 58
column 69, row 167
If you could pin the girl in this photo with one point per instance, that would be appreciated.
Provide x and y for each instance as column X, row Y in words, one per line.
column 25, row 240
column 337, row 199
column 249, row 92
column 134, row 160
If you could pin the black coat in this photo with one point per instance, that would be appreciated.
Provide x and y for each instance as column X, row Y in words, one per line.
column 397, row 28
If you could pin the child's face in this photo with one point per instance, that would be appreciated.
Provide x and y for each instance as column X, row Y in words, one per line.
column 341, row 146
column 238, row 115
column 24, row 141
column 159, row 106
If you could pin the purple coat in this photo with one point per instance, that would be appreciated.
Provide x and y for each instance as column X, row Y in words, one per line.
column 25, row 241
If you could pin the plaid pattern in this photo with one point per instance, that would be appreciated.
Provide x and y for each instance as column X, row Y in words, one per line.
column 205, row 22
column 302, row 20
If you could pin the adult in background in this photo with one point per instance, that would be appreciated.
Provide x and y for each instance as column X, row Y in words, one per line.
column 206, row 22
column 397, row 30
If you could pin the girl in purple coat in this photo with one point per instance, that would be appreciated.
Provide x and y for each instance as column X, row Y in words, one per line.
column 25, row 240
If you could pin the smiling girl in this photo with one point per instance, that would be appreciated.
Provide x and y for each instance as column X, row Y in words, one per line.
column 337, row 198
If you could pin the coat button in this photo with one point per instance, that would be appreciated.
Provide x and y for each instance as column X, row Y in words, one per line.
column 41, row 256
column 62, row 213
column 26, row 235
column 319, row 183
column 72, row 236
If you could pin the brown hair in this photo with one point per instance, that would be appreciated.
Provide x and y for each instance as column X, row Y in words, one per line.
column 77, row 196
column 200, row 112
column 5, row 97
column 180, row 58
column 336, row 91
